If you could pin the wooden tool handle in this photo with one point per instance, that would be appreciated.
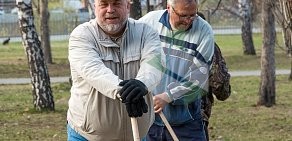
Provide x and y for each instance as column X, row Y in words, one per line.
column 170, row 130
column 135, row 129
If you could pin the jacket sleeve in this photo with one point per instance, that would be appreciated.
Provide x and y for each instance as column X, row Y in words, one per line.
column 194, row 84
column 85, row 60
column 152, row 63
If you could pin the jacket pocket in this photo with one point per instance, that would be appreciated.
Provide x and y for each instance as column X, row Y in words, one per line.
column 110, row 57
column 103, row 116
column 132, row 57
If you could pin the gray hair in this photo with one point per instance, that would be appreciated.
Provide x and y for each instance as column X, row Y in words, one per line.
column 173, row 2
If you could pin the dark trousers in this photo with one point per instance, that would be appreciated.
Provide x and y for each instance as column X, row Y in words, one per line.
column 206, row 129
column 190, row 131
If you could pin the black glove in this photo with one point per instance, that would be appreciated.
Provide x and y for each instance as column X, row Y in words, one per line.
column 136, row 109
column 132, row 90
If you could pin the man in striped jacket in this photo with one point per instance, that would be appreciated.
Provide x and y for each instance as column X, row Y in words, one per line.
column 188, row 42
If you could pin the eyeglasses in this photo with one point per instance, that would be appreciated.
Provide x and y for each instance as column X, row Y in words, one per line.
column 184, row 17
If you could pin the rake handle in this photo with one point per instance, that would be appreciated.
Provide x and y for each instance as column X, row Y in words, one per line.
column 134, row 124
column 135, row 129
column 170, row 130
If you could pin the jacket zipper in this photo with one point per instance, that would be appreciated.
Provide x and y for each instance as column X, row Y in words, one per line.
column 120, row 55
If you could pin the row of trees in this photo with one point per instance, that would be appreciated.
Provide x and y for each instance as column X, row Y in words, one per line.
column 39, row 51
column 248, row 11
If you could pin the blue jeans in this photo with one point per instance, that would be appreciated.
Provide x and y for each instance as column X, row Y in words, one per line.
column 190, row 131
column 73, row 135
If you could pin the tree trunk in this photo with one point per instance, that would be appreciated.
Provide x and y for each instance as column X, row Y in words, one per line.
column 285, row 20
column 149, row 7
column 283, row 14
column 84, row 3
column 91, row 8
column 45, row 31
column 135, row 11
column 287, row 37
column 246, row 28
column 290, row 77
column 164, row 4
column 286, row 6
column 41, row 89
column 267, row 90
column 89, row 4
column 290, row 52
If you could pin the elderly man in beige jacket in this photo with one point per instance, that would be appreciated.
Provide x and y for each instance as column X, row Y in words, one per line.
column 109, row 56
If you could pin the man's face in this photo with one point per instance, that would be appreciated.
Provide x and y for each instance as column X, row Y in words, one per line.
column 182, row 15
column 111, row 15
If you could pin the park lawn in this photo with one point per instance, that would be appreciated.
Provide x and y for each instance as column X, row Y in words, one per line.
column 19, row 120
column 236, row 119
column 232, row 50
column 240, row 119
column 14, row 61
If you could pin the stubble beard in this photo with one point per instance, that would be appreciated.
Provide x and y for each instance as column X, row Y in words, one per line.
column 181, row 27
column 113, row 28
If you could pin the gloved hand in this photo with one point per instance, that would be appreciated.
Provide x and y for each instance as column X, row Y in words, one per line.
column 132, row 90
column 136, row 109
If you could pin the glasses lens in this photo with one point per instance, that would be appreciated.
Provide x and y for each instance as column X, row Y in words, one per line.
column 184, row 17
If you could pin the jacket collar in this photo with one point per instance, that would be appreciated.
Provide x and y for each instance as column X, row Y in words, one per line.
column 164, row 19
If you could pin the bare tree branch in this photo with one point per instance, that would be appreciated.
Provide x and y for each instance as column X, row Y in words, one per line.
column 216, row 7
column 232, row 10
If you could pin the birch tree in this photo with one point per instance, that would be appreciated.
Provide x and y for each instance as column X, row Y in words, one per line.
column 40, row 80
column 246, row 28
column 244, row 12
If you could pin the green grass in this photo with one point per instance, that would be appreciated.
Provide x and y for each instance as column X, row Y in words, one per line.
column 236, row 119
column 14, row 61
column 239, row 119
column 19, row 120
column 232, row 49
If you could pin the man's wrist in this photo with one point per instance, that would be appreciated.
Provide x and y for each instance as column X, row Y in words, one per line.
column 166, row 97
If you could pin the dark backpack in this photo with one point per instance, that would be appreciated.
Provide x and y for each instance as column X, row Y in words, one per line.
column 219, row 78
column 219, row 84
